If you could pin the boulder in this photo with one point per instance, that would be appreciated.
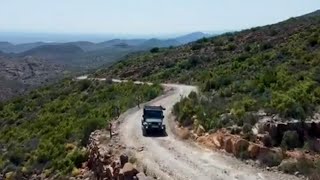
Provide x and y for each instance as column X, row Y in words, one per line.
column 129, row 171
column 204, row 140
column 200, row 130
column 108, row 173
column 228, row 144
column 253, row 150
column 239, row 146
column 217, row 141
column 264, row 150
column 123, row 159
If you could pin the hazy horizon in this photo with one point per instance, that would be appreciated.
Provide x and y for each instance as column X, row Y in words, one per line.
column 29, row 37
column 38, row 20
column 144, row 16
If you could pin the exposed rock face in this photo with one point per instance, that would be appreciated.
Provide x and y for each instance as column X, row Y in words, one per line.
column 277, row 129
column 235, row 145
column 106, row 163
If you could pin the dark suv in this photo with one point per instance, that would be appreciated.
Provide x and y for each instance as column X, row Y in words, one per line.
column 152, row 120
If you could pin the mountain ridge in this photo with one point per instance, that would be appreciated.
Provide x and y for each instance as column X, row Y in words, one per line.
column 91, row 46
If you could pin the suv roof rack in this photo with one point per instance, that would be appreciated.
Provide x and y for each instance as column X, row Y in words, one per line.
column 159, row 108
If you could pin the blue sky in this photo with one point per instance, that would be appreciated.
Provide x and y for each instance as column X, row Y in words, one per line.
column 145, row 16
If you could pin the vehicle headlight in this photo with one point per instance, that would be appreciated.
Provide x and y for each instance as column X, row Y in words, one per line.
column 145, row 124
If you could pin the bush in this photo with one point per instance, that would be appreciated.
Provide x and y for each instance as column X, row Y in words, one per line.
column 270, row 159
column 90, row 126
column 231, row 47
column 267, row 140
column 312, row 41
column 84, row 84
column 197, row 46
column 288, row 166
column 315, row 174
column 78, row 157
column 154, row 50
column 290, row 140
column 247, row 132
column 247, row 128
column 16, row 157
column 305, row 166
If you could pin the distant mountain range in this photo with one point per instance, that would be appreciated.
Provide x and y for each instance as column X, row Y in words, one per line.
column 25, row 66
column 8, row 47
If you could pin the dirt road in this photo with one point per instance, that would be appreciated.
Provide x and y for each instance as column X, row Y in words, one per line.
column 171, row 158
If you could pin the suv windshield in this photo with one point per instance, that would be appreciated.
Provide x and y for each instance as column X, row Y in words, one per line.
column 153, row 114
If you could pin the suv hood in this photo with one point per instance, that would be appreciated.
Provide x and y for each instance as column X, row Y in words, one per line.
column 153, row 120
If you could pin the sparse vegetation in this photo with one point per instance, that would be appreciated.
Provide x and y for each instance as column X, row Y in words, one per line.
column 273, row 68
column 47, row 129
column 240, row 72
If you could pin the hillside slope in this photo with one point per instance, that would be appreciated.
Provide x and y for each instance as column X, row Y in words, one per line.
column 275, row 67
column 261, row 85
column 18, row 75
column 47, row 130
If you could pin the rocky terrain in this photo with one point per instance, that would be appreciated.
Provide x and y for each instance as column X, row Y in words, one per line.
column 107, row 159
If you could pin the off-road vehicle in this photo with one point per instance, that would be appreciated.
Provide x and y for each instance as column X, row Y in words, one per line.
column 152, row 120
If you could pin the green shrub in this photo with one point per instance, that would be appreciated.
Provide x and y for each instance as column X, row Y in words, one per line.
column 247, row 128
column 247, row 132
column 89, row 126
column 270, row 159
column 305, row 166
column 290, row 140
column 288, row 166
column 84, row 84
column 154, row 50
column 231, row 47
column 197, row 46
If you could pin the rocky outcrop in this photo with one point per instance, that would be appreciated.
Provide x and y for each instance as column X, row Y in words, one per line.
column 236, row 145
column 107, row 162
column 304, row 129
